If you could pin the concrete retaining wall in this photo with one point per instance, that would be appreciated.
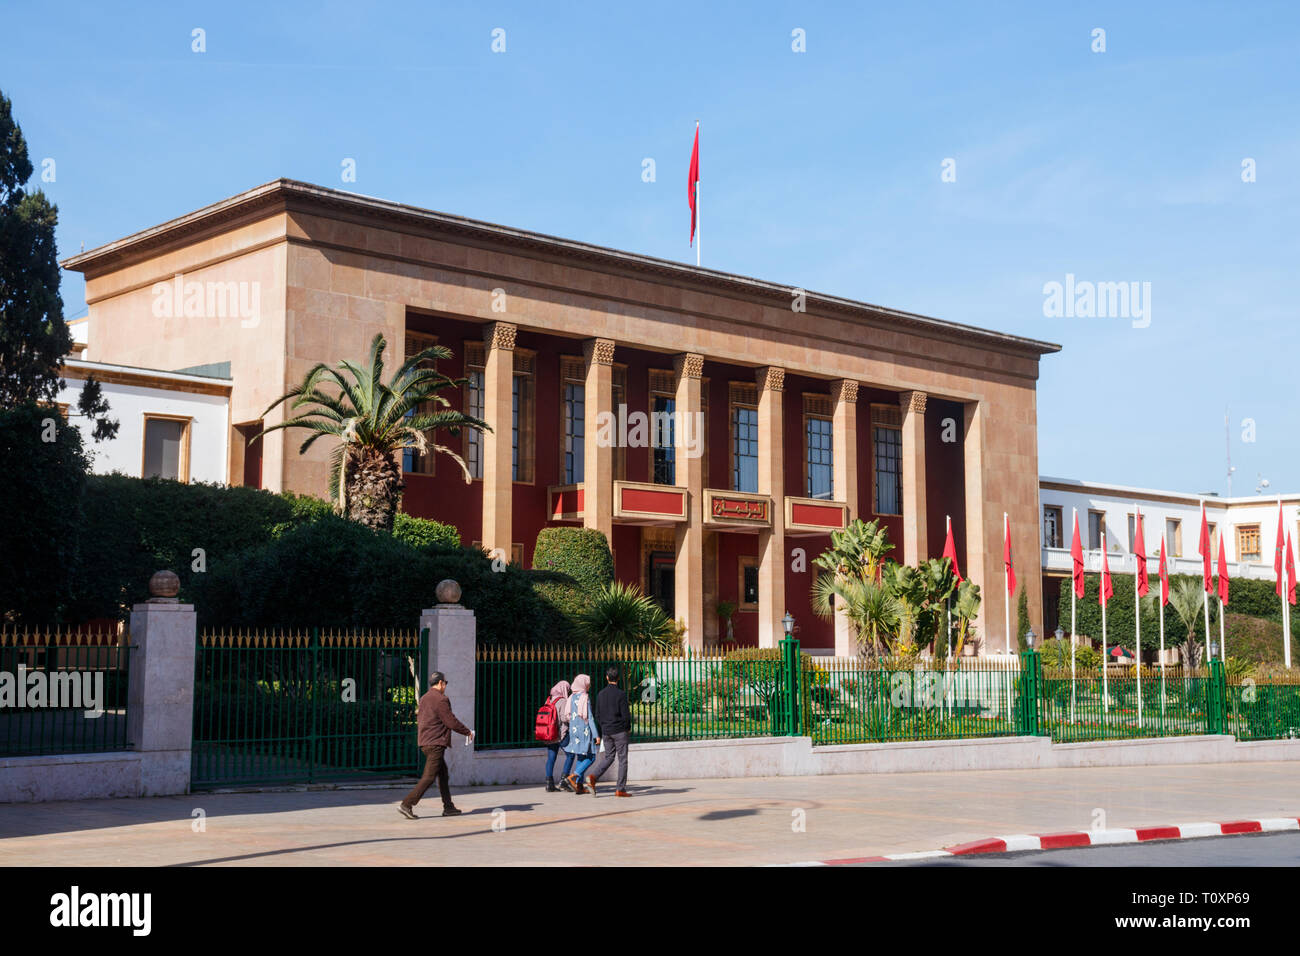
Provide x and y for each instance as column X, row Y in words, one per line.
column 796, row 756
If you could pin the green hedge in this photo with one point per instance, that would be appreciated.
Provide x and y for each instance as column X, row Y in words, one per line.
column 337, row 573
column 41, row 490
column 423, row 534
column 574, row 566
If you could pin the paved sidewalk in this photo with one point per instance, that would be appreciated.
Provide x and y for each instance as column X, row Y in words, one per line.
column 692, row 822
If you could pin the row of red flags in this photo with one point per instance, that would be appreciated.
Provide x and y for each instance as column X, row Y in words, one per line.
column 1283, row 562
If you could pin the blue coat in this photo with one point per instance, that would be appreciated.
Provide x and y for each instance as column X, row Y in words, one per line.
column 582, row 733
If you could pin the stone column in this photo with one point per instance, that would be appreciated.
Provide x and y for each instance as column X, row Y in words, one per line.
column 771, row 482
column 452, row 637
column 915, row 542
column 688, row 430
column 844, row 429
column 991, row 619
column 160, row 699
column 498, row 475
column 598, row 457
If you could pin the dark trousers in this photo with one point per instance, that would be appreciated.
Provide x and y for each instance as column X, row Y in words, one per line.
column 614, row 744
column 435, row 768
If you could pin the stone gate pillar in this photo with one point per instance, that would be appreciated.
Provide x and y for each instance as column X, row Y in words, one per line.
column 451, row 643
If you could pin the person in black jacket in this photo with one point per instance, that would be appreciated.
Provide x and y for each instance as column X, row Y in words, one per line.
column 614, row 724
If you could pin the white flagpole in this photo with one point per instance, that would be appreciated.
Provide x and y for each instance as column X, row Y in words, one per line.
column 1161, row 601
column 697, row 206
column 1137, row 609
column 948, row 669
column 1286, row 581
column 1073, row 599
column 1006, row 578
column 1105, row 685
column 1206, row 595
column 1223, row 641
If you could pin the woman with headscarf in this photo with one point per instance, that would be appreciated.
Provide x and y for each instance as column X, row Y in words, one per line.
column 582, row 731
column 559, row 699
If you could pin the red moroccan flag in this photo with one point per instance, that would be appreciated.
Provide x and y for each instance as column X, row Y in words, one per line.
column 1164, row 575
column 950, row 552
column 1006, row 554
column 1140, row 555
column 1223, row 573
column 1076, row 559
column 693, row 177
column 1290, row 571
column 1107, row 591
column 1204, row 550
column 1277, row 553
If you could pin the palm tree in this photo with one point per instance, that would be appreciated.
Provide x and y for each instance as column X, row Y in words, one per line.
column 870, row 607
column 374, row 422
column 1185, row 598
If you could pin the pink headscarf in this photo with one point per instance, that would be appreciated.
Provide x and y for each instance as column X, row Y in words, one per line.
column 581, row 684
column 561, row 690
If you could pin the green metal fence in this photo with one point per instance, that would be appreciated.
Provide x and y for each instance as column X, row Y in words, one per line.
column 1123, row 703
column 63, row 692
column 672, row 697
column 852, row 700
column 1265, row 708
column 272, row 707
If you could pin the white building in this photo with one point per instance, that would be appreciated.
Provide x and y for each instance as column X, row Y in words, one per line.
column 1106, row 519
column 171, row 424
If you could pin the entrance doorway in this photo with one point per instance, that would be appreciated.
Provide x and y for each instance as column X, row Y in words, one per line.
column 662, row 578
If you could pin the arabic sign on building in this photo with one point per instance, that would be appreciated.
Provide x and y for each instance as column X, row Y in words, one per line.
column 728, row 508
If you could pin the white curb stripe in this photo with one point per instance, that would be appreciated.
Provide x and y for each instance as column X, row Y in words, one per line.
column 1190, row 830
column 922, row 855
column 1103, row 837
column 1279, row 823
column 1021, row 841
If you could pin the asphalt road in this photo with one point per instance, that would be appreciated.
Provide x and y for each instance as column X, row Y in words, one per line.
column 1250, row 849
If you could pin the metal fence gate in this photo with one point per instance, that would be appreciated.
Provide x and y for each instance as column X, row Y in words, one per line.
column 306, row 706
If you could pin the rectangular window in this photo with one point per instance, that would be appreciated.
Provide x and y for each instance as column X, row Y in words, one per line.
column 574, row 425
column 1248, row 543
column 474, row 359
column 1096, row 530
column 748, row 584
column 744, row 448
column 413, row 461
column 618, row 395
column 1132, row 532
column 887, row 454
column 1214, row 541
column 166, row 448
column 522, row 412
column 1173, row 537
column 1052, row 537
column 820, row 457
column 663, row 439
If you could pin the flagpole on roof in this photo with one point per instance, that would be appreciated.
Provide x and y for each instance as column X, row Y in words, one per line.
column 697, row 206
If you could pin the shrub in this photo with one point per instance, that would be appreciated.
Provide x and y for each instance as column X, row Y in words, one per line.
column 621, row 615
column 423, row 534
column 1256, row 639
column 577, row 566
column 41, row 486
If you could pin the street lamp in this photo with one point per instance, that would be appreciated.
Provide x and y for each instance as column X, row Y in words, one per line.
column 1029, row 638
column 1060, row 633
column 1214, row 649
column 788, row 623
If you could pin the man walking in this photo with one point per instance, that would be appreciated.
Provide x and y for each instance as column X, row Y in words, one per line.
column 435, row 722
column 614, row 723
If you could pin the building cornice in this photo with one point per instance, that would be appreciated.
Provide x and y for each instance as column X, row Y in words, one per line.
column 283, row 195
column 145, row 378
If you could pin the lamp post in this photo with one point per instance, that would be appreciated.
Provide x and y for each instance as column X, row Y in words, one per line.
column 1060, row 633
column 788, row 623
column 1029, row 638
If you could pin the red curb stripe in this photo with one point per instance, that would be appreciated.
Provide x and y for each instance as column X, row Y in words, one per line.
column 1242, row 826
column 979, row 846
column 1057, row 841
column 1158, row 833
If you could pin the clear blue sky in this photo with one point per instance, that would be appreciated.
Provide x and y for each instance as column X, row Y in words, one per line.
column 819, row 169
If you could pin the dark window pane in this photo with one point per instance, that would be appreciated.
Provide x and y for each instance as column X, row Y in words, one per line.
column 162, row 448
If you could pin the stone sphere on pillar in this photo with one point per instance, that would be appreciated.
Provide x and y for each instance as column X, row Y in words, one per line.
column 448, row 592
column 164, row 586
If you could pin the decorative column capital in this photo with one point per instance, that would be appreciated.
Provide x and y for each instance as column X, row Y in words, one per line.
column 770, row 378
column 912, row 401
column 500, row 335
column 845, row 390
column 598, row 351
column 688, row 365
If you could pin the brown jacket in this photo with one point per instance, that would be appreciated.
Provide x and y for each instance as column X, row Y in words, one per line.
column 436, row 721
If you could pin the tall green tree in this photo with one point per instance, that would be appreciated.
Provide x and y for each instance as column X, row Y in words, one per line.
column 374, row 421
column 33, row 336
